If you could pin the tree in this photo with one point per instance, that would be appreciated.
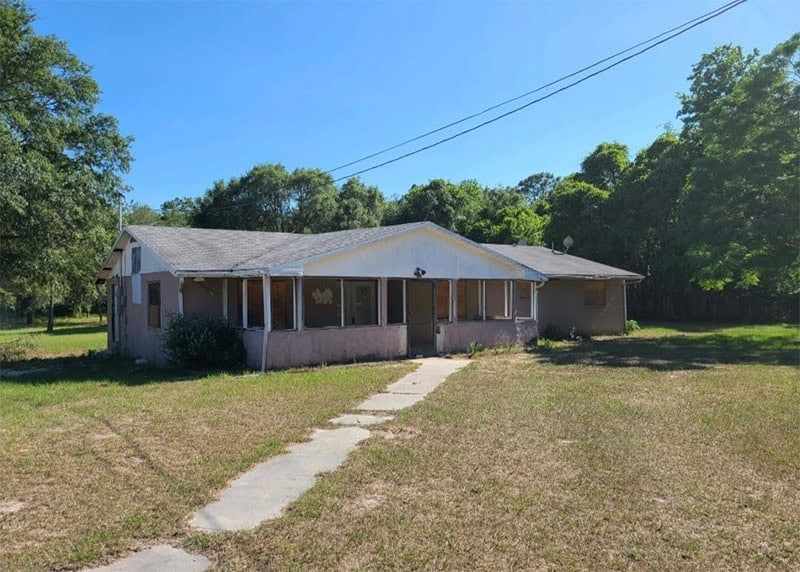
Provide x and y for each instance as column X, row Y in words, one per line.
column 450, row 205
column 506, row 218
column 260, row 200
column 314, row 196
column 62, row 161
column 605, row 166
column 536, row 187
column 359, row 206
column 138, row 213
column 741, row 204
column 577, row 209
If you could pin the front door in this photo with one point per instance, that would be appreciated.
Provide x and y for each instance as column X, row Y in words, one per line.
column 421, row 323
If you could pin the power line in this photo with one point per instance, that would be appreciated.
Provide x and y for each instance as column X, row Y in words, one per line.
column 671, row 34
column 717, row 13
column 536, row 90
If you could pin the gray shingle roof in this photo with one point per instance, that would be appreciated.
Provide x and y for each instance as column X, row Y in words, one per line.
column 214, row 250
column 559, row 265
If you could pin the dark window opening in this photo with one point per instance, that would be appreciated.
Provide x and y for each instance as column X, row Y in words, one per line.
column 282, row 304
column 322, row 303
column 443, row 300
column 394, row 302
column 154, row 304
column 360, row 302
column 255, row 304
column 469, row 300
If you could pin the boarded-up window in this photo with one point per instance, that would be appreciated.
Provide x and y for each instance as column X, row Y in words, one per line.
column 498, row 300
column 443, row 300
column 394, row 301
column 594, row 293
column 255, row 304
column 136, row 260
column 282, row 304
column 321, row 303
column 469, row 299
column 360, row 302
column 154, row 304
column 524, row 299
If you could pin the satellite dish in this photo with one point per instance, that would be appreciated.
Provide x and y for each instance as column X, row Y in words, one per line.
column 568, row 242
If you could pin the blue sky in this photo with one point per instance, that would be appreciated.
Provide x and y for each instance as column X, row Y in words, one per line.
column 210, row 89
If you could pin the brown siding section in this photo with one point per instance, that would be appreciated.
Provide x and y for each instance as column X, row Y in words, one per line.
column 561, row 303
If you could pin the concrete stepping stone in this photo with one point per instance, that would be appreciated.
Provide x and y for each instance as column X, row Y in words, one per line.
column 390, row 401
column 361, row 419
column 161, row 558
column 266, row 490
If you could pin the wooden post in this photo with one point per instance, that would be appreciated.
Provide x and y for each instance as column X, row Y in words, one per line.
column 482, row 284
column 180, row 296
column 267, row 299
column 341, row 300
column 298, row 304
column 225, row 298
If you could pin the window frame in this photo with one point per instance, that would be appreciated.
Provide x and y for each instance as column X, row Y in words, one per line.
column 346, row 300
column 465, row 317
column 150, row 305
column 448, row 283
column 586, row 294
column 337, row 292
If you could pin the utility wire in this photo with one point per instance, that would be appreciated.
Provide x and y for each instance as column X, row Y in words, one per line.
column 531, row 92
column 718, row 13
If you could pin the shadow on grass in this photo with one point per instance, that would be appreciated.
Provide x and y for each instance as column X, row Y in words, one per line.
column 677, row 352
column 85, row 368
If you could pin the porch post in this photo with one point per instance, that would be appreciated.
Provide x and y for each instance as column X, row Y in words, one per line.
column 298, row 303
column 225, row 298
column 267, row 298
column 625, row 301
column 244, row 304
column 180, row 296
column 383, row 297
column 483, row 299
column 506, row 312
column 536, row 303
column 533, row 300
column 341, row 299
column 454, row 301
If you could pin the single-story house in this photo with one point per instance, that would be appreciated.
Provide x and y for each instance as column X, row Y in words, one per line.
column 298, row 299
column 579, row 293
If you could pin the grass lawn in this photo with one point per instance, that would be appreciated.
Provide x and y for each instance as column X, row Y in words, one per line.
column 71, row 336
column 674, row 449
column 97, row 457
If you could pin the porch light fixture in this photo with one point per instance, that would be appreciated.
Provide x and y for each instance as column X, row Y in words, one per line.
column 419, row 272
column 199, row 279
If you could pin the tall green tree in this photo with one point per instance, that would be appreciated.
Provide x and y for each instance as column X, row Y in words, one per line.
column 577, row 209
column 359, row 206
column 605, row 166
column 62, row 161
column 741, row 204
column 536, row 187
column 315, row 201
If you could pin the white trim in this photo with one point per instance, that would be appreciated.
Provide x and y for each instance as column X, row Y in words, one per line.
column 536, row 287
column 224, row 298
column 625, row 303
column 298, row 308
column 244, row 304
column 267, row 300
column 482, row 286
column 341, row 303
column 180, row 296
column 533, row 300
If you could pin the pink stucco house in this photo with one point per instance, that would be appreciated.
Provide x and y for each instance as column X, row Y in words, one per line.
column 372, row 293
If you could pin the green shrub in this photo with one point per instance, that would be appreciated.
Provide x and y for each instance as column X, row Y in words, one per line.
column 205, row 343
column 631, row 326
column 16, row 349
column 545, row 345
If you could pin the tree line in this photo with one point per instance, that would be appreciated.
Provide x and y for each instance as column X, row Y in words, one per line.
column 708, row 213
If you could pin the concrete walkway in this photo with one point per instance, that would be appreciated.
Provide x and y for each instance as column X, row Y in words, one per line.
column 266, row 490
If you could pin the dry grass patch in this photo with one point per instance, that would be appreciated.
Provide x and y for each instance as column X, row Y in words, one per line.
column 96, row 459
column 527, row 462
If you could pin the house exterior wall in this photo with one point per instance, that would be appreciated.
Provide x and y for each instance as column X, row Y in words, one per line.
column 457, row 336
column 561, row 303
column 333, row 345
column 136, row 337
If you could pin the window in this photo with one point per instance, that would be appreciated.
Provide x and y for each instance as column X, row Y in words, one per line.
column 282, row 303
column 594, row 293
column 394, row 301
column 136, row 260
column 524, row 299
column 255, row 303
column 443, row 300
column 154, row 304
column 469, row 299
column 322, row 303
column 497, row 299
column 360, row 302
